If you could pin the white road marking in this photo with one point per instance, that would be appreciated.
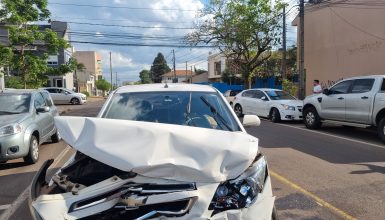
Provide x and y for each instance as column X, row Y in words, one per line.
column 2, row 207
column 335, row 136
column 12, row 208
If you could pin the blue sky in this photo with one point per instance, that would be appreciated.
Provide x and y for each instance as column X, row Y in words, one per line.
column 128, row 61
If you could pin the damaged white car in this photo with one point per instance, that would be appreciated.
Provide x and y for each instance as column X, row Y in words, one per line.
column 158, row 151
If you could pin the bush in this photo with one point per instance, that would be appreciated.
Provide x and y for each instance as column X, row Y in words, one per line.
column 86, row 93
column 290, row 87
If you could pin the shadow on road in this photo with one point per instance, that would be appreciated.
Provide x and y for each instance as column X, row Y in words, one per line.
column 371, row 169
column 10, row 165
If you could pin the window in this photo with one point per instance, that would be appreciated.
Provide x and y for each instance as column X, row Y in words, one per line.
column 39, row 100
column 258, row 94
column 362, row 85
column 52, row 90
column 14, row 103
column 234, row 92
column 47, row 98
column 341, row 88
column 248, row 93
column 279, row 95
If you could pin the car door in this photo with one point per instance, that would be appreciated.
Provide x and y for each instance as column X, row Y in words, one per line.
column 257, row 104
column 54, row 94
column 333, row 103
column 358, row 101
column 246, row 101
column 63, row 96
column 42, row 119
column 52, row 111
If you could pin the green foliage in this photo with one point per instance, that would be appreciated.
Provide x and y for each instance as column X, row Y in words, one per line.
column 86, row 93
column 20, row 55
column 145, row 77
column 13, row 82
column 230, row 77
column 243, row 30
column 289, row 87
column 158, row 68
column 199, row 71
column 103, row 85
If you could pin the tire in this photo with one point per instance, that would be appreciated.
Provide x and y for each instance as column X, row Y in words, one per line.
column 238, row 110
column 311, row 118
column 75, row 101
column 55, row 138
column 274, row 214
column 381, row 129
column 275, row 116
column 33, row 154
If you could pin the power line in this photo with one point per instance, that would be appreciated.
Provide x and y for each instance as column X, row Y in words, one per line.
column 129, row 26
column 103, row 19
column 121, row 7
column 140, row 45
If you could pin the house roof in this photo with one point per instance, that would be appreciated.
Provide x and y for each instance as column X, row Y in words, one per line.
column 178, row 73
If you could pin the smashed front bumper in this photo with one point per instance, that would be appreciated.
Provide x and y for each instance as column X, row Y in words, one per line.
column 131, row 196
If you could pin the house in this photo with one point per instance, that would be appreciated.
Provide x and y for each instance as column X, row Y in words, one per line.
column 182, row 76
column 216, row 66
column 85, row 80
column 342, row 39
column 54, row 60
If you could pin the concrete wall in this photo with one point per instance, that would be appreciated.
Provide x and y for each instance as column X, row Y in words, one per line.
column 203, row 77
column 341, row 42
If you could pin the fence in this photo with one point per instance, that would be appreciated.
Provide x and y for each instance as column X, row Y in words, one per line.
column 270, row 82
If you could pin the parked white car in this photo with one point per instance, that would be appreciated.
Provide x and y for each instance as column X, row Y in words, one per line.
column 274, row 104
column 158, row 151
column 230, row 95
column 66, row 96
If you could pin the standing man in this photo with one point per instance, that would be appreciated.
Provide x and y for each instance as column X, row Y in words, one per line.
column 317, row 89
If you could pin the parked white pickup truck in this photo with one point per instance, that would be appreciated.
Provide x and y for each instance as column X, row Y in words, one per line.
column 357, row 102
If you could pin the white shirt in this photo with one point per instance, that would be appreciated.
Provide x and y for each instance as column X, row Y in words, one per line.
column 317, row 89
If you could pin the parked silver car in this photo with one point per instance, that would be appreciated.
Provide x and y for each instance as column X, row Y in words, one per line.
column 26, row 121
column 66, row 96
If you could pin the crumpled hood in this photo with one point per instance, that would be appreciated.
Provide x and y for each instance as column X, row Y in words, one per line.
column 11, row 119
column 161, row 150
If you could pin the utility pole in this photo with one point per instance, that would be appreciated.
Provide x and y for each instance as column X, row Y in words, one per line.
column 283, row 71
column 173, row 55
column 301, row 50
column 186, row 72
column 116, row 79
column 112, row 88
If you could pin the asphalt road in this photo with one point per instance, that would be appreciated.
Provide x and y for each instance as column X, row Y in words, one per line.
column 16, row 176
column 334, row 173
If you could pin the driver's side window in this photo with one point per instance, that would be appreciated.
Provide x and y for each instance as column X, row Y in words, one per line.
column 39, row 101
column 341, row 88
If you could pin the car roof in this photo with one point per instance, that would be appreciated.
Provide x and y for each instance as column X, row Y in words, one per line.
column 163, row 87
column 266, row 89
column 19, row 91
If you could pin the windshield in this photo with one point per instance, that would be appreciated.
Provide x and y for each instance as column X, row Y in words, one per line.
column 279, row 95
column 198, row 109
column 14, row 103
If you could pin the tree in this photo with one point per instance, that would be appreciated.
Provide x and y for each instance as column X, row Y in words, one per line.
column 145, row 76
column 26, row 62
column 243, row 30
column 199, row 71
column 158, row 68
column 76, row 67
column 103, row 85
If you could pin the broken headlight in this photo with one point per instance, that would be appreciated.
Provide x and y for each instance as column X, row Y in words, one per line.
column 243, row 191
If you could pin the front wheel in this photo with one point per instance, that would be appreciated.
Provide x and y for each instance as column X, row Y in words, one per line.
column 311, row 118
column 75, row 101
column 33, row 154
column 238, row 110
column 55, row 138
column 275, row 116
column 381, row 129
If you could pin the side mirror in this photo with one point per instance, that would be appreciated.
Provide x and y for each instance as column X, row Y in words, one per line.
column 251, row 120
column 325, row 91
column 264, row 98
column 42, row 109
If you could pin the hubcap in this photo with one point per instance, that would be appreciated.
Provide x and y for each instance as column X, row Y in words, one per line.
column 35, row 149
column 310, row 118
column 237, row 110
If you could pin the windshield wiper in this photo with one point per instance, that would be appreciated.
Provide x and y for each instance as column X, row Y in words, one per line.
column 216, row 113
column 9, row 113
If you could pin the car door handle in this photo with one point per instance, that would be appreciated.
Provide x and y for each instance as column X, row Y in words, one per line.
column 364, row 97
column 341, row 98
